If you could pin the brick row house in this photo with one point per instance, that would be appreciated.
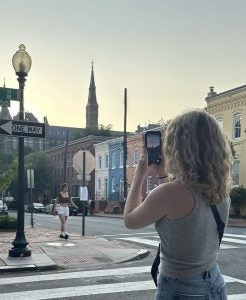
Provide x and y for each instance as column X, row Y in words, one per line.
column 109, row 180
column 56, row 156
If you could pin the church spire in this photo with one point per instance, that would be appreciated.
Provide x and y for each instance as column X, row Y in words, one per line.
column 92, row 106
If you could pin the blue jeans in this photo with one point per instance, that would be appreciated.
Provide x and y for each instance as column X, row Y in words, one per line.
column 209, row 285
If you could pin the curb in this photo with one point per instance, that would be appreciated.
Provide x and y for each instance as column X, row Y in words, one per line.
column 16, row 269
column 119, row 216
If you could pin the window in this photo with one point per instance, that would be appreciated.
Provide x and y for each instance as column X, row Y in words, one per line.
column 121, row 187
column 237, row 126
column 113, row 184
column 121, row 159
column 220, row 122
column 106, row 160
column 113, row 160
column 149, row 184
column 136, row 156
column 99, row 161
column 99, row 184
column 235, row 172
column 106, row 187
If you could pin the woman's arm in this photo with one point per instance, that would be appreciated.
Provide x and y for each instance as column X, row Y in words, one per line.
column 54, row 205
column 73, row 204
column 138, row 214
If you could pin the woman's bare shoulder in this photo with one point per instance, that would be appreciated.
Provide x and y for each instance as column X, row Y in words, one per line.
column 171, row 187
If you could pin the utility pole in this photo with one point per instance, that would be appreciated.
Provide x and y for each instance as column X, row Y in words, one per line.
column 83, row 200
column 125, row 146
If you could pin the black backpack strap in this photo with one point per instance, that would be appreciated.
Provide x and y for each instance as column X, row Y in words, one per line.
column 219, row 222
column 155, row 265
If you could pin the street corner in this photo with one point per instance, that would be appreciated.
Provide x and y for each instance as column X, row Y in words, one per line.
column 117, row 251
column 76, row 252
column 34, row 262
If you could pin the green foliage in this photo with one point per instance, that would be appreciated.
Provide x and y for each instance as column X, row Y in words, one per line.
column 101, row 131
column 8, row 175
column 42, row 170
column 7, row 222
column 77, row 135
column 238, row 198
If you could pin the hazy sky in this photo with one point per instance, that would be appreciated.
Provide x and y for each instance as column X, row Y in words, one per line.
column 166, row 52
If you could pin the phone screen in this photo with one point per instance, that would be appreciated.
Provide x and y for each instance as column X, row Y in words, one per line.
column 153, row 145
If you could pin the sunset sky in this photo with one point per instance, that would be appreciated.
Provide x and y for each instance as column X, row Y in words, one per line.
column 165, row 52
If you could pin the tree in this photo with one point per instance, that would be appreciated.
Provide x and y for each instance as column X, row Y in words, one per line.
column 103, row 130
column 42, row 171
column 238, row 199
column 8, row 176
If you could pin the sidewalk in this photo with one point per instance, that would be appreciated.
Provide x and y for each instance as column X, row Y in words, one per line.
column 51, row 252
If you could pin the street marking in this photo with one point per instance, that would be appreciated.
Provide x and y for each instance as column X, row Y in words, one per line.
column 90, row 274
column 129, row 234
column 74, row 275
column 235, row 235
column 235, row 241
column 156, row 243
column 80, row 291
column 99, row 289
column 232, row 279
column 225, row 246
column 141, row 241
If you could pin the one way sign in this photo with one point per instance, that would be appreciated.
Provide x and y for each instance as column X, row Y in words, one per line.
column 21, row 128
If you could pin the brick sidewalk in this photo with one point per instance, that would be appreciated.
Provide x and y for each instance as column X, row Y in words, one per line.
column 34, row 236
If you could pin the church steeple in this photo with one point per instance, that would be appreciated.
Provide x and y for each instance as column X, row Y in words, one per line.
column 92, row 106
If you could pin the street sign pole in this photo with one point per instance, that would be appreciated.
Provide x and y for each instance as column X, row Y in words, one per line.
column 30, row 185
column 83, row 183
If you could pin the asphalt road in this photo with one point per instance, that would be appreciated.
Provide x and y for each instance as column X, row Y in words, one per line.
column 128, row 280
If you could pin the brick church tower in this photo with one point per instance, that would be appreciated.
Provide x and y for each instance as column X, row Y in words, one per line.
column 92, row 106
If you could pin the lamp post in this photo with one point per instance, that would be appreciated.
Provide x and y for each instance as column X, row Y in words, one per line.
column 22, row 64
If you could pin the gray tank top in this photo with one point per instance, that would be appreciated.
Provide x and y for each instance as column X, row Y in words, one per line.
column 189, row 245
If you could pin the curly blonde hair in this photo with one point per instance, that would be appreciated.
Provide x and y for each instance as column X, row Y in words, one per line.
column 198, row 154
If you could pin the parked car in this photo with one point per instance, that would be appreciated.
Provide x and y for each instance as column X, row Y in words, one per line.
column 79, row 203
column 3, row 208
column 73, row 210
column 37, row 208
column 48, row 207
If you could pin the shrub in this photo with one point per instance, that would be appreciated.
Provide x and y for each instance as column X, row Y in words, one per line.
column 238, row 199
column 7, row 222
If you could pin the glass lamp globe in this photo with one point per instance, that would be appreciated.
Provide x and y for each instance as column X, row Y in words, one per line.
column 22, row 61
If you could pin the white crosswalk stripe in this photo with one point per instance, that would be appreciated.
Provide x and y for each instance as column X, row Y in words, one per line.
column 235, row 240
column 93, row 289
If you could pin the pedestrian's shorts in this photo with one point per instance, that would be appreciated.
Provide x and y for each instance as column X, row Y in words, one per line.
column 63, row 210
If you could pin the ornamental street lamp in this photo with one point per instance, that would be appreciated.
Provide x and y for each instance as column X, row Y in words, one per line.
column 22, row 64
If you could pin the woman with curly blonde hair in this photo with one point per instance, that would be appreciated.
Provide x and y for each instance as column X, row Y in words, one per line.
column 198, row 155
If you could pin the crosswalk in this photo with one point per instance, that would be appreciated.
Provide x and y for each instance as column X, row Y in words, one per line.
column 230, row 241
column 120, row 281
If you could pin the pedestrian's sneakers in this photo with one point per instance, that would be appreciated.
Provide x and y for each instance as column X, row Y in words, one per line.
column 62, row 236
column 66, row 236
